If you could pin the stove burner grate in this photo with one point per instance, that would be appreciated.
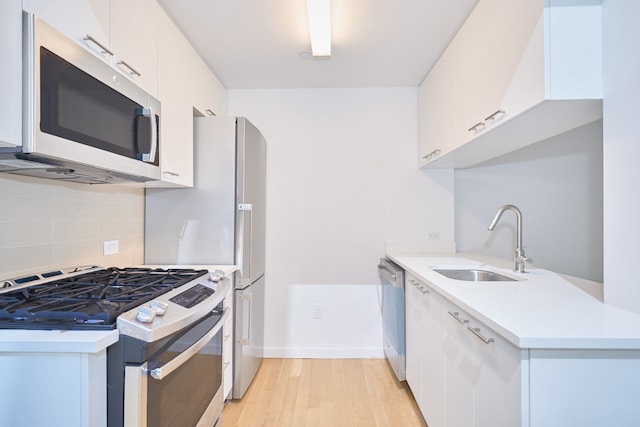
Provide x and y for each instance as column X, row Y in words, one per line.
column 90, row 300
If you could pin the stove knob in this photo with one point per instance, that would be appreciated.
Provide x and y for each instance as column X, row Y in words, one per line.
column 159, row 307
column 145, row 315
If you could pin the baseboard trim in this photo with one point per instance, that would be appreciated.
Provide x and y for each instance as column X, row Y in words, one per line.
column 324, row 353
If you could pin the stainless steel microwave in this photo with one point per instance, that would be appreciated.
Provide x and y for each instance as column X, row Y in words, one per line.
column 83, row 120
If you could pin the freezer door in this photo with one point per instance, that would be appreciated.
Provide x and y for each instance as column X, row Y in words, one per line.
column 251, row 203
column 249, row 335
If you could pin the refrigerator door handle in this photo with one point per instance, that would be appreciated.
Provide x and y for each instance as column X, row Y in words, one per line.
column 246, row 210
column 245, row 316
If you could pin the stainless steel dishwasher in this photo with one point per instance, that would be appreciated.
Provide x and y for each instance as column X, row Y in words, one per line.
column 392, row 310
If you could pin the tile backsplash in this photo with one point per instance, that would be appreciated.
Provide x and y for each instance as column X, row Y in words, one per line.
column 48, row 224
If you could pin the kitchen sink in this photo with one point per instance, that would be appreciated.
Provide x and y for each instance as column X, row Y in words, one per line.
column 473, row 275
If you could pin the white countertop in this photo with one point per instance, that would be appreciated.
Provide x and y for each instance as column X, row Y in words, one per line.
column 541, row 310
column 39, row 341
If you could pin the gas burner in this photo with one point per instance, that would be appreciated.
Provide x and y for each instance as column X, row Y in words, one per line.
column 91, row 300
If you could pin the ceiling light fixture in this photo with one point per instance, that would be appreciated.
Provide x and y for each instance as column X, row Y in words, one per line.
column 319, row 12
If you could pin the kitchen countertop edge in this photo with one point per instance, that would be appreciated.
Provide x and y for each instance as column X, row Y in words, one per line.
column 603, row 327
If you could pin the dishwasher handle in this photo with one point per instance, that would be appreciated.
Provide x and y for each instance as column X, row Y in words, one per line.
column 391, row 273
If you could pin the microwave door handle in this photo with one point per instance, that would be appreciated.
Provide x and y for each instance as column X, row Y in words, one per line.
column 175, row 363
column 151, row 156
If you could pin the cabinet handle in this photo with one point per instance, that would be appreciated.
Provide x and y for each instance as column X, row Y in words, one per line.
column 476, row 332
column 456, row 316
column 88, row 38
column 226, row 364
column 478, row 126
column 493, row 116
column 170, row 173
column 435, row 152
column 210, row 112
column 132, row 70
column 423, row 289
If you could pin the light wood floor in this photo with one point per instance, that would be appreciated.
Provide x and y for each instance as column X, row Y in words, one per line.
column 324, row 392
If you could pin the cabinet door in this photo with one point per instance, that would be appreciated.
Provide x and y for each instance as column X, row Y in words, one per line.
column 209, row 96
column 515, row 49
column 134, row 41
column 227, row 344
column 414, row 314
column 433, row 361
column 436, row 109
column 497, row 389
column 175, row 92
column 77, row 19
column 10, row 73
column 472, row 51
column 460, row 371
column 491, row 46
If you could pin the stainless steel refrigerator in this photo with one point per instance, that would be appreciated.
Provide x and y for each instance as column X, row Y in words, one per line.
column 221, row 220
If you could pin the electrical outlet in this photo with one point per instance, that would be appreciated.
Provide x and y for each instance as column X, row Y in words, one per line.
column 317, row 311
column 111, row 247
column 433, row 235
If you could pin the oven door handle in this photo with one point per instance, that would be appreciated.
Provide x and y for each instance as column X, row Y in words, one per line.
column 163, row 371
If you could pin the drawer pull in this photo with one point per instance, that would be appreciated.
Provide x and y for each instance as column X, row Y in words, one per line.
column 476, row 332
column 494, row 115
column 478, row 126
column 88, row 38
column 132, row 70
column 456, row 316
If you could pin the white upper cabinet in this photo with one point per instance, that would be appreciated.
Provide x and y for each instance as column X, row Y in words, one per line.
column 10, row 73
column 524, row 70
column 176, row 95
column 209, row 96
column 134, row 41
column 123, row 33
column 86, row 22
column 436, row 110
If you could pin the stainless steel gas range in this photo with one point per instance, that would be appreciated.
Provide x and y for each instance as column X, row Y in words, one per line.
column 166, row 367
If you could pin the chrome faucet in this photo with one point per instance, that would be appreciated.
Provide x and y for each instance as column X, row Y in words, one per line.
column 520, row 257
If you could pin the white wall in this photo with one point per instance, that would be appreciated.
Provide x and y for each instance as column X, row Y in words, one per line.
column 621, row 153
column 341, row 180
column 45, row 224
column 557, row 184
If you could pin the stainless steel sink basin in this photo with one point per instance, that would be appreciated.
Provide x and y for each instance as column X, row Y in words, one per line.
column 473, row 275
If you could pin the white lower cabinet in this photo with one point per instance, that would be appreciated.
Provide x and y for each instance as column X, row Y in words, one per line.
column 227, row 344
column 414, row 312
column 460, row 377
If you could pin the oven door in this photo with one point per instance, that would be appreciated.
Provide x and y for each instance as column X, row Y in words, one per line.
column 180, row 385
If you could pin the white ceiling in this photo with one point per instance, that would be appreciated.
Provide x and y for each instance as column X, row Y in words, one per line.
column 255, row 44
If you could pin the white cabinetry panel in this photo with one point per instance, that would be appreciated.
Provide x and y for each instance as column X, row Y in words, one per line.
column 11, row 73
column 525, row 70
column 78, row 19
column 176, row 95
column 134, row 41
column 460, row 378
column 209, row 96
column 574, row 388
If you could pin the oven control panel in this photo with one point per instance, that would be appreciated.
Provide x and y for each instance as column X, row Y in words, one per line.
column 193, row 296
